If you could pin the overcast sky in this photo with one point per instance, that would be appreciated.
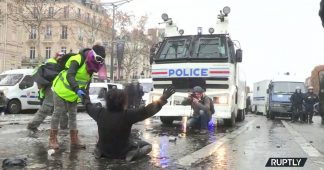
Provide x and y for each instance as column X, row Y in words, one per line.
column 276, row 35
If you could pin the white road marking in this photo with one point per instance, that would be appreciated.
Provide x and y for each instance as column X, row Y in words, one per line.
column 306, row 146
column 208, row 150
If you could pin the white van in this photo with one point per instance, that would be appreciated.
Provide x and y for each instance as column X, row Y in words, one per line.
column 147, row 85
column 97, row 92
column 20, row 89
column 115, row 85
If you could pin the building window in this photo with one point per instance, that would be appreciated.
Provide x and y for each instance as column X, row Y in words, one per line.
column 66, row 11
column 79, row 13
column 50, row 12
column 63, row 49
column 35, row 12
column 80, row 32
column 48, row 52
column 32, row 34
column 48, row 32
column 32, row 53
column 94, row 20
column 64, row 32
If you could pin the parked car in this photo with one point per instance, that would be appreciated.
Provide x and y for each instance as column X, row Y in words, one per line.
column 97, row 92
column 147, row 85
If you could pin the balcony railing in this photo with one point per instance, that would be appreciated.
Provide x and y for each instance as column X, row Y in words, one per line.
column 29, row 62
column 47, row 37
column 63, row 36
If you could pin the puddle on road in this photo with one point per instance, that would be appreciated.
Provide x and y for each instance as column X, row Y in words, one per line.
column 164, row 152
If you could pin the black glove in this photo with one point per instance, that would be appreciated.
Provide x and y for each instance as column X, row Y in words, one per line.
column 167, row 92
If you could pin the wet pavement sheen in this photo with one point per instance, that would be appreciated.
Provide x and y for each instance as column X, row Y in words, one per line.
column 248, row 150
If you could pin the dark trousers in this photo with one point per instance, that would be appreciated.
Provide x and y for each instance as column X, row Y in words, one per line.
column 297, row 112
column 309, row 112
column 135, row 145
column 199, row 121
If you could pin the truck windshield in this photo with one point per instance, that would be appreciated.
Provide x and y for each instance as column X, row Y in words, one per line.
column 287, row 87
column 175, row 48
column 10, row 79
column 209, row 48
column 194, row 47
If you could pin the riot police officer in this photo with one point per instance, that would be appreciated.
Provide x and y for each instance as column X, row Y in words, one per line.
column 296, row 100
column 310, row 99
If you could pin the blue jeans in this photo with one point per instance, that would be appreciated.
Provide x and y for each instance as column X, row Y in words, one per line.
column 199, row 121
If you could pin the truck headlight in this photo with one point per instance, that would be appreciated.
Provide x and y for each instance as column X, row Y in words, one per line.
column 155, row 98
column 220, row 100
column 5, row 91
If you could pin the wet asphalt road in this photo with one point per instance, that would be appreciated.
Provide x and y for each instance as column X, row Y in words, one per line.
column 248, row 145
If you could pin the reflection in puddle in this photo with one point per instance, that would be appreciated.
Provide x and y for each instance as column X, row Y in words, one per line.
column 159, row 153
column 146, row 136
column 184, row 124
column 221, row 155
column 147, row 122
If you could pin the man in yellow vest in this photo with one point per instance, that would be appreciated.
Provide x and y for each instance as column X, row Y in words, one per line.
column 46, row 96
column 70, row 86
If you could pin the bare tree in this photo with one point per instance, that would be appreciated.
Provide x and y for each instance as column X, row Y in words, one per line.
column 136, row 48
column 32, row 14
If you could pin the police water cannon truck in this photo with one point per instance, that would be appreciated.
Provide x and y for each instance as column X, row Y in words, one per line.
column 206, row 60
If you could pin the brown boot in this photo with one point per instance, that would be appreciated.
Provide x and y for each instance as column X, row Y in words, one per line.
column 53, row 144
column 75, row 142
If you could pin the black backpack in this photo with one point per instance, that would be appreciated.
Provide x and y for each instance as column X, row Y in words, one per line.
column 46, row 73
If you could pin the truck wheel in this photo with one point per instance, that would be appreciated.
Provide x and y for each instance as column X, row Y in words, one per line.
column 231, row 121
column 167, row 120
column 14, row 106
column 272, row 115
column 240, row 115
column 255, row 111
column 244, row 115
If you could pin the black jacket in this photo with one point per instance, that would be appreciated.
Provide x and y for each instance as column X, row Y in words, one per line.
column 296, row 99
column 310, row 99
column 114, row 128
column 73, row 69
column 204, row 104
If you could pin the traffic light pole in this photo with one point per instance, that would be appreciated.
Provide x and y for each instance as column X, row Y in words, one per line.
column 115, row 5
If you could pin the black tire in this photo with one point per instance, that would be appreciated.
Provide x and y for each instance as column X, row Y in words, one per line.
column 244, row 115
column 255, row 110
column 272, row 115
column 167, row 120
column 231, row 121
column 14, row 106
column 240, row 115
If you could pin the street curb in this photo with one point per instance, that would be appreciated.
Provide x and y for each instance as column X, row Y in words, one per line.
column 208, row 150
